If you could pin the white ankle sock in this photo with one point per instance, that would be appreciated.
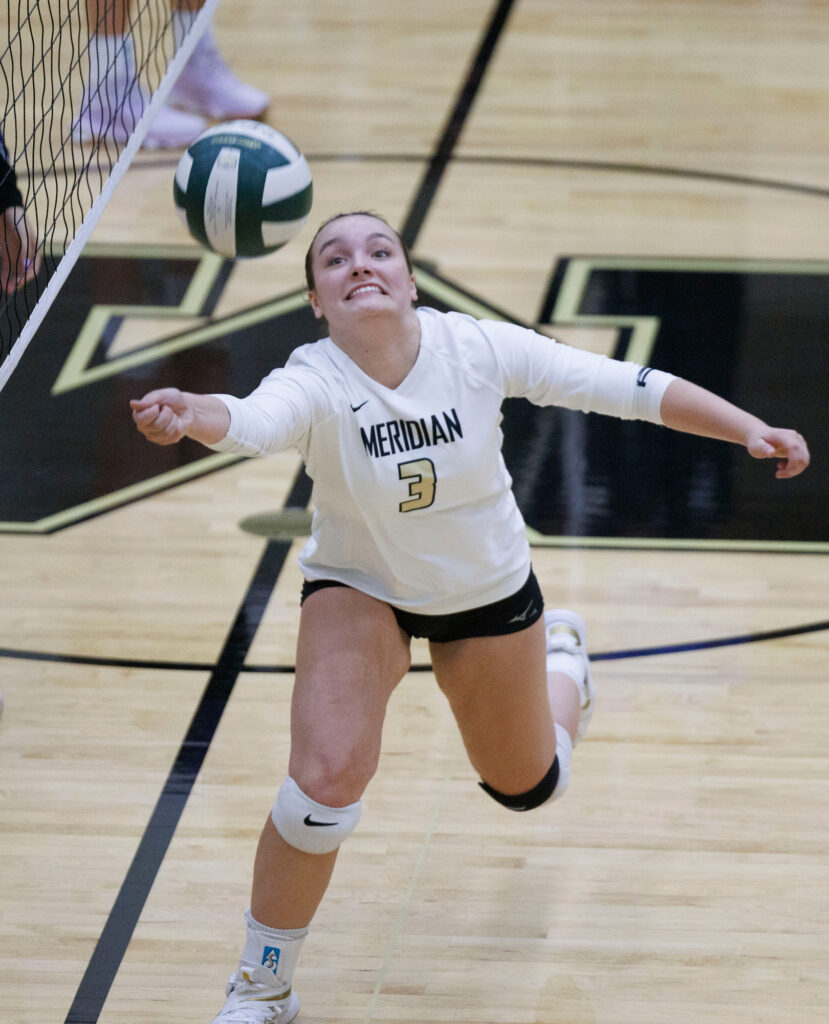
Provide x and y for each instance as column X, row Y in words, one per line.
column 276, row 949
column 111, row 60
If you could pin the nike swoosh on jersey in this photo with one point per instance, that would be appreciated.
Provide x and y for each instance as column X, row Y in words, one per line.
column 355, row 408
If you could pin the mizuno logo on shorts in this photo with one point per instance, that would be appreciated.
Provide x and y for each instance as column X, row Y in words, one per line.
column 523, row 616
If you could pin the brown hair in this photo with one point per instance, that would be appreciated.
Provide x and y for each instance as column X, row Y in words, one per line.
column 309, row 270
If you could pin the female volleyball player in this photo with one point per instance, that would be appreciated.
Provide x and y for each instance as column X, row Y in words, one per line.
column 416, row 533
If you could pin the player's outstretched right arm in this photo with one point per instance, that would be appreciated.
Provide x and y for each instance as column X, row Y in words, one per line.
column 167, row 415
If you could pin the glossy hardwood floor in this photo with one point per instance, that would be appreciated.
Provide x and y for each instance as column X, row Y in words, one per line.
column 145, row 721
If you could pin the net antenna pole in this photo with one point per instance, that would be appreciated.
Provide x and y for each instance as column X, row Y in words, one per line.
column 40, row 66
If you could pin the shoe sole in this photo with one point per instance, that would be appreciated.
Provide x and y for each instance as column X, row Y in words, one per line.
column 87, row 137
column 291, row 1009
column 217, row 114
column 83, row 137
column 285, row 1015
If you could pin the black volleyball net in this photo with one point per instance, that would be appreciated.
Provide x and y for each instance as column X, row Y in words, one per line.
column 51, row 78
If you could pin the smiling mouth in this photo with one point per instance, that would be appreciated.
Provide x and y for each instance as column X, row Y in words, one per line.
column 365, row 288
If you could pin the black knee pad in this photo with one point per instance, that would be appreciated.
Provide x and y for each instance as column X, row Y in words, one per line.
column 533, row 798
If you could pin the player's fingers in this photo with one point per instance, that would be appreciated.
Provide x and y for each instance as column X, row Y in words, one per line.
column 160, row 396
column 159, row 424
column 31, row 267
column 791, row 451
column 787, row 446
column 144, row 415
column 139, row 405
column 164, row 417
column 796, row 459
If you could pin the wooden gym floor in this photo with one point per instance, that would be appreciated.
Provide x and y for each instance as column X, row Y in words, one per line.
column 642, row 178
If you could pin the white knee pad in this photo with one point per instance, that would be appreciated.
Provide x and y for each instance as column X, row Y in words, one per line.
column 309, row 826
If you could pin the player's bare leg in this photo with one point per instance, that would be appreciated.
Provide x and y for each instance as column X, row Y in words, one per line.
column 351, row 654
column 518, row 702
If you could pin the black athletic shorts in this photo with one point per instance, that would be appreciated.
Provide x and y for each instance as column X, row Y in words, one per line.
column 509, row 615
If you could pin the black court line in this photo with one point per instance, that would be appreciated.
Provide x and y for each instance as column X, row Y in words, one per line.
column 632, row 652
column 129, row 903
column 92, row 660
column 659, row 170
column 496, row 159
column 602, row 166
column 454, row 126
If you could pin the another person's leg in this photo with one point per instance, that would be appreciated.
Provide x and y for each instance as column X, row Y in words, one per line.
column 207, row 85
column 351, row 654
column 113, row 98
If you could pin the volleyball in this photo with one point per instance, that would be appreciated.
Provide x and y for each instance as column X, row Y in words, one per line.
column 243, row 189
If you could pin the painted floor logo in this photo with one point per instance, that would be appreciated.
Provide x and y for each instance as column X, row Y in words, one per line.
column 578, row 480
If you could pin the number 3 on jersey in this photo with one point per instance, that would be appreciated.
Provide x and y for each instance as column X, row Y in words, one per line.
column 421, row 476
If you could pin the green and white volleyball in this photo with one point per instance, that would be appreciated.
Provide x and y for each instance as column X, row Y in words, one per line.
column 243, row 189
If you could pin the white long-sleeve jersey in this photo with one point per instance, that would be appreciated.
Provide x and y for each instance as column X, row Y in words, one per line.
column 413, row 502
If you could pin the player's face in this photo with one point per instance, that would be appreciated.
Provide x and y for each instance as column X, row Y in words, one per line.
column 359, row 270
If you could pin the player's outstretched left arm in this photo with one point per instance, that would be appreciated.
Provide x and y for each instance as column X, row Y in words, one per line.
column 694, row 410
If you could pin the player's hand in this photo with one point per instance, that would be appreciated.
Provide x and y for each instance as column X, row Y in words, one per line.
column 787, row 446
column 20, row 255
column 163, row 416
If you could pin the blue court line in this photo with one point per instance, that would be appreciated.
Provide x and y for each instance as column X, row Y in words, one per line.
column 702, row 645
